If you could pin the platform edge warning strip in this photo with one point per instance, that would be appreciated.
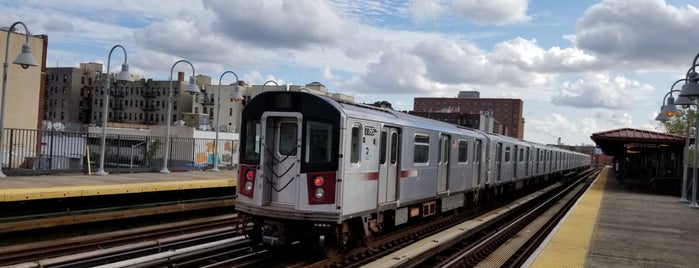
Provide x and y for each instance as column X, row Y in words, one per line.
column 569, row 245
column 9, row 195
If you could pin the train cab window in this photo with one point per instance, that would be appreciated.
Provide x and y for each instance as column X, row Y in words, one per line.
column 463, row 152
column 508, row 151
column 355, row 144
column 318, row 142
column 252, row 140
column 422, row 149
column 287, row 138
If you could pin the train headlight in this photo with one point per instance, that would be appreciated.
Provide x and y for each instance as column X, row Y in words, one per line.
column 318, row 181
column 320, row 193
column 248, row 186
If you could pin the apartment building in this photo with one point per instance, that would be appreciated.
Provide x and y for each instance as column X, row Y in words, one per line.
column 68, row 94
column 508, row 112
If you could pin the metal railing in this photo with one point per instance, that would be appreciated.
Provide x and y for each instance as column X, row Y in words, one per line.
column 43, row 152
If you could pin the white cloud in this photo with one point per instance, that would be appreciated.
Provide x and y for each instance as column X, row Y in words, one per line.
column 492, row 12
column 496, row 12
column 641, row 34
column 601, row 91
column 278, row 23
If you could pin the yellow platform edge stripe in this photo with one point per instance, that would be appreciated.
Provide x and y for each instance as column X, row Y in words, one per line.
column 569, row 245
column 9, row 195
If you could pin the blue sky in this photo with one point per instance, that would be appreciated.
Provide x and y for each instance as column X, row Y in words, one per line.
column 579, row 66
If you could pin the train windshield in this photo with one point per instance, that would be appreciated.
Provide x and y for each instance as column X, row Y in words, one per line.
column 318, row 142
column 252, row 141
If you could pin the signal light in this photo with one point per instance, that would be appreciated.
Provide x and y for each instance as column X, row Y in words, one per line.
column 318, row 181
column 320, row 193
column 250, row 175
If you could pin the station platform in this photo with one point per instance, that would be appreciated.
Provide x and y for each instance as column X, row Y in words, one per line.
column 616, row 225
column 18, row 188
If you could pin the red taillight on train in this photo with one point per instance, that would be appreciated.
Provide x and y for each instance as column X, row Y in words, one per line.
column 321, row 187
column 246, row 180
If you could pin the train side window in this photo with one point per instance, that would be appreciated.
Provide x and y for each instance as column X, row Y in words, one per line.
column 394, row 148
column 318, row 142
column 384, row 145
column 422, row 149
column 508, row 150
column 463, row 152
column 287, row 138
column 477, row 152
column 355, row 144
column 521, row 154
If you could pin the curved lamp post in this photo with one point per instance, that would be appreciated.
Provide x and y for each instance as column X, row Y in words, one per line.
column 685, row 102
column 691, row 91
column 268, row 82
column 125, row 76
column 192, row 88
column 24, row 59
column 218, row 113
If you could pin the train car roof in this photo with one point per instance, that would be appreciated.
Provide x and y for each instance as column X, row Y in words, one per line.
column 363, row 111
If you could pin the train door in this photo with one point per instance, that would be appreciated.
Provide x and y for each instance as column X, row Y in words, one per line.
column 388, row 164
column 443, row 163
column 528, row 160
column 477, row 155
column 498, row 161
column 281, row 158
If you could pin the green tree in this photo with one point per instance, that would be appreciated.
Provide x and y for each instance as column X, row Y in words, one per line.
column 677, row 125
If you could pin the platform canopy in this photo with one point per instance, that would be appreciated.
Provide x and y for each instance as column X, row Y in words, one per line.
column 614, row 142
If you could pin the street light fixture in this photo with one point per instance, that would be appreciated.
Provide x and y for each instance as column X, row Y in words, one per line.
column 270, row 81
column 691, row 91
column 686, row 103
column 218, row 113
column 192, row 88
column 123, row 75
column 24, row 59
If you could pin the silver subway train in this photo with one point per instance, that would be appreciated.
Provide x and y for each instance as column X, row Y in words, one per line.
column 333, row 173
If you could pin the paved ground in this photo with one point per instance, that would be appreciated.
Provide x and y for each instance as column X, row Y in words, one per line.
column 637, row 228
column 23, row 182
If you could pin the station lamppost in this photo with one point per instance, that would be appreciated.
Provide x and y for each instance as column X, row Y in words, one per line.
column 686, row 103
column 24, row 59
column 218, row 113
column 691, row 91
column 124, row 76
column 268, row 82
column 192, row 88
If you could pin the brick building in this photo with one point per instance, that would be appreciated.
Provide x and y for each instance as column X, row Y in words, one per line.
column 508, row 112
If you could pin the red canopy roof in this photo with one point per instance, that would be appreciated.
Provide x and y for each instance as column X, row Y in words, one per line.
column 636, row 135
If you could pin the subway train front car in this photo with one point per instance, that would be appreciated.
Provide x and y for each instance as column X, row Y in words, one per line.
column 288, row 173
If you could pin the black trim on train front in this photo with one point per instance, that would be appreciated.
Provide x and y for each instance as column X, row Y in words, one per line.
column 311, row 106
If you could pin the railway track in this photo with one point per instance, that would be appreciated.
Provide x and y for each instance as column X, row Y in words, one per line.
column 477, row 234
column 476, row 239
column 88, row 250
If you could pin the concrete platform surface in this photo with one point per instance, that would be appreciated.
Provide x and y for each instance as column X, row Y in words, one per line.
column 17, row 188
column 637, row 228
column 631, row 227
